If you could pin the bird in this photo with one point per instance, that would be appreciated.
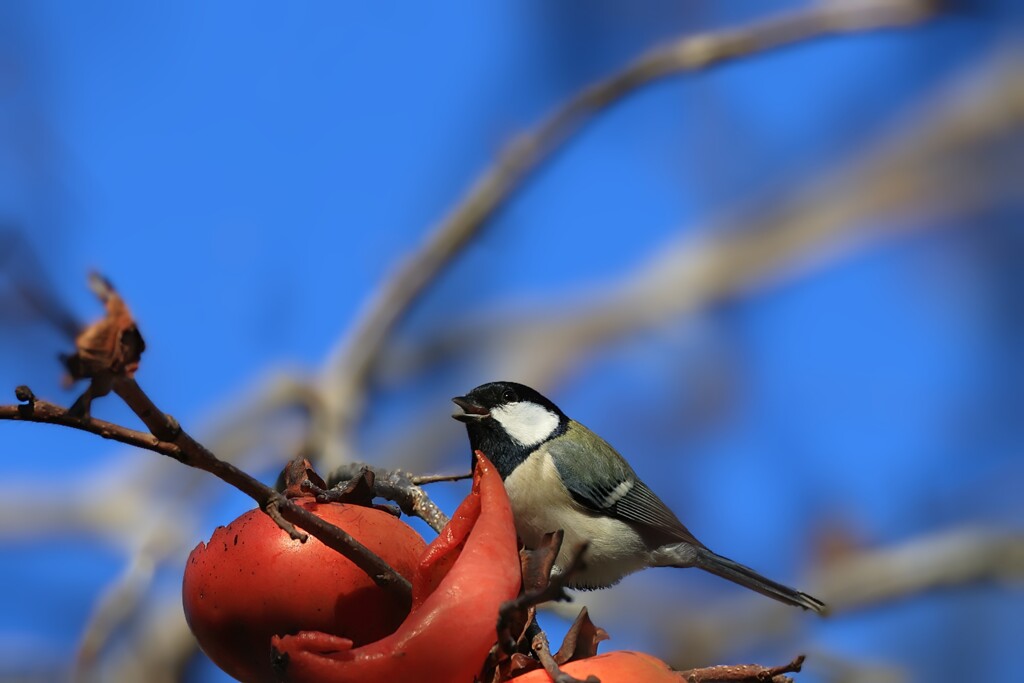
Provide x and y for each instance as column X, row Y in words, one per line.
column 559, row 475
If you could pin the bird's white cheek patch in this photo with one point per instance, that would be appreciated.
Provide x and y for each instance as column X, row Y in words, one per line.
column 526, row 422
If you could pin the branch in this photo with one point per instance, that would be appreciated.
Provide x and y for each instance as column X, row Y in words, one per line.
column 488, row 195
column 740, row 673
column 168, row 438
column 397, row 486
column 44, row 412
column 866, row 579
column 423, row 479
column 940, row 158
column 160, row 648
column 347, row 374
column 119, row 600
column 542, row 649
column 954, row 558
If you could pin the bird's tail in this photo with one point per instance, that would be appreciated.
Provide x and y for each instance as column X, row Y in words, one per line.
column 747, row 577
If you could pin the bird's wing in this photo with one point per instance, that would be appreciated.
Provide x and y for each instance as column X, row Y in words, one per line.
column 606, row 484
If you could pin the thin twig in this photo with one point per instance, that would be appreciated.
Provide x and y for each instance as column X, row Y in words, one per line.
column 49, row 413
column 165, row 426
column 423, row 479
column 398, row 486
column 743, row 673
column 168, row 438
column 542, row 649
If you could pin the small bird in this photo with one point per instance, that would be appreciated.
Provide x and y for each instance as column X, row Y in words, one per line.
column 560, row 475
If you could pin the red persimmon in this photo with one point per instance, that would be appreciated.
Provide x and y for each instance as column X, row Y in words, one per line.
column 622, row 666
column 252, row 582
column 463, row 578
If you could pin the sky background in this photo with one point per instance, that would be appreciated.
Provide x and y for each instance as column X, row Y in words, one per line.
column 249, row 174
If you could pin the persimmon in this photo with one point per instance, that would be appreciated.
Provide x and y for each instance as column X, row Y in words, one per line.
column 251, row 582
column 462, row 580
column 621, row 666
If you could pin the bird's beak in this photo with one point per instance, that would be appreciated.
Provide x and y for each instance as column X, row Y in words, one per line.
column 471, row 409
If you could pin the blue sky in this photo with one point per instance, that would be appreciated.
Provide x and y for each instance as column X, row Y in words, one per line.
column 249, row 174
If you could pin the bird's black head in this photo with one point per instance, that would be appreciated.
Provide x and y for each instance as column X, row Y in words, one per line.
column 507, row 421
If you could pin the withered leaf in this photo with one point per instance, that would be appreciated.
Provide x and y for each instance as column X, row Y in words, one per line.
column 581, row 640
column 111, row 346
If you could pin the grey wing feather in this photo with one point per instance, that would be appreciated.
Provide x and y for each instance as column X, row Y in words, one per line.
column 595, row 481
column 642, row 505
column 606, row 483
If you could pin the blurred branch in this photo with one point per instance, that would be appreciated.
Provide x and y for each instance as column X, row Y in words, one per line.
column 953, row 559
column 336, row 402
column 119, row 601
column 930, row 146
column 31, row 294
column 344, row 382
column 161, row 647
column 944, row 159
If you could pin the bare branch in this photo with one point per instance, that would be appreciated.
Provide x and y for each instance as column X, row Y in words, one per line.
column 424, row 479
column 939, row 159
column 360, row 484
column 169, row 439
column 542, row 649
column 118, row 602
column 956, row 558
column 49, row 413
column 397, row 486
column 164, row 425
column 161, row 646
column 749, row 673
column 359, row 351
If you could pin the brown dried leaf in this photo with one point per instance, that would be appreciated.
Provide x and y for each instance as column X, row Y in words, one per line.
column 110, row 347
column 581, row 640
column 537, row 563
column 298, row 474
column 515, row 616
column 520, row 664
column 356, row 491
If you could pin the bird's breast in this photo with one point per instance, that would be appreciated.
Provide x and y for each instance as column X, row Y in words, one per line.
column 542, row 504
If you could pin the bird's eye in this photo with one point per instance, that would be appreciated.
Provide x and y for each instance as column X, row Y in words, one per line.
column 508, row 396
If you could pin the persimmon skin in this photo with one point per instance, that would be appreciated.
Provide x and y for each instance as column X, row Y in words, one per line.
column 621, row 666
column 251, row 582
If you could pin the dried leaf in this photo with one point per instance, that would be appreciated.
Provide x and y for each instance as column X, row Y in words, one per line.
column 298, row 474
column 520, row 664
column 537, row 563
column 111, row 346
column 581, row 640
